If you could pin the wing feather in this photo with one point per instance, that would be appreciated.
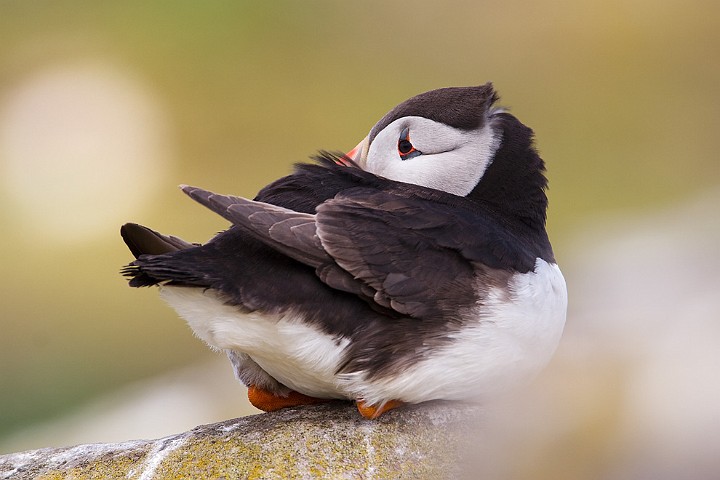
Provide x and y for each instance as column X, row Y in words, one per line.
column 414, row 256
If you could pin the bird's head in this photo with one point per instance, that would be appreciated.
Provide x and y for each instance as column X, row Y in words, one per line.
column 456, row 140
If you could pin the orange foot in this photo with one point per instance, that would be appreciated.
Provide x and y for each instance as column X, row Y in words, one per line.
column 269, row 402
column 372, row 412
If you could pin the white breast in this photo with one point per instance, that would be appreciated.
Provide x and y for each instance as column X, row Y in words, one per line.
column 509, row 342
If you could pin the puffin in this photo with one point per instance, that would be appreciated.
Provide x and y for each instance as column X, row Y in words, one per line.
column 415, row 267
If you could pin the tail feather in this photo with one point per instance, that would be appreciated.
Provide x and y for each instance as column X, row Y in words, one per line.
column 156, row 259
column 172, row 268
column 144, row 241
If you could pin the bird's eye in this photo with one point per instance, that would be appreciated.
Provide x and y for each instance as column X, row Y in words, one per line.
column 406, row 149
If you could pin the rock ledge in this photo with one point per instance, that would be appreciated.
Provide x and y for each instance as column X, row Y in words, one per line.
column 323, row 441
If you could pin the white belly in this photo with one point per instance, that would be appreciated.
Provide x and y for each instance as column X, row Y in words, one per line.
column 503, row 343
column 296, row 354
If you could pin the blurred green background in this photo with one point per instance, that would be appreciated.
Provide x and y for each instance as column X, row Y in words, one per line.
column 106, row 106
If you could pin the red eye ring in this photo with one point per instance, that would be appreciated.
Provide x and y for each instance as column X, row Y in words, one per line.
column 406, row 149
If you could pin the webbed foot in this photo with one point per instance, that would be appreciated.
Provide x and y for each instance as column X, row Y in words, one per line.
column 269, row 402
column 372, row 412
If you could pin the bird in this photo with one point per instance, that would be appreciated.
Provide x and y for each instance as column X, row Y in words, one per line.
column 415, row 267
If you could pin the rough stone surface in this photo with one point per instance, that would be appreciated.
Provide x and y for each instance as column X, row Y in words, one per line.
column 323, row 441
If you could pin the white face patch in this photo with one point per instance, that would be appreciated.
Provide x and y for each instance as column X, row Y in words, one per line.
column 452, row 160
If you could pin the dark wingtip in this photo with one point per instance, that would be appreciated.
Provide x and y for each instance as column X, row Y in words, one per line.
column 198, row 194
column 214, row 201
column 191, row 191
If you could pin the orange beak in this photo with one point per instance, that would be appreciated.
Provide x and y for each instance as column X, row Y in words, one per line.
column 356, row 156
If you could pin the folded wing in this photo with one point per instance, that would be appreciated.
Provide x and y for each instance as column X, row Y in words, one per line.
column 406, row 254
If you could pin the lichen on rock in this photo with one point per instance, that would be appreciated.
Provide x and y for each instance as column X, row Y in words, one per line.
column 322, row 441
